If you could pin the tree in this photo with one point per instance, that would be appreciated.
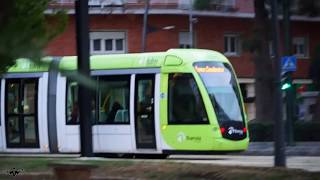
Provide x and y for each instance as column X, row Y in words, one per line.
column 26, row 30
column 202, row 4
column 309, row 7
column 257, row 42
column 264, row 74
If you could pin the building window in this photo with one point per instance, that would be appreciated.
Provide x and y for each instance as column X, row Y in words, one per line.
column 119, row 44
column 107, row 42
column 185, row 102
column 184, row 40
column 97, row 44
column 231, row 45
column 300, row 47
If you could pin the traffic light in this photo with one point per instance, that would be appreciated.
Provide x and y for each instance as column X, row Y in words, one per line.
column 285, row 86
column 286, row 81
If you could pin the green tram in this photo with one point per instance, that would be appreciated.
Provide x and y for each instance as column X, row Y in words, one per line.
column 178, row 101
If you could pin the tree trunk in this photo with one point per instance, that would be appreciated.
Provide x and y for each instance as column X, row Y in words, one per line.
column 5, row 12
column 316, row 111
column 263, row 65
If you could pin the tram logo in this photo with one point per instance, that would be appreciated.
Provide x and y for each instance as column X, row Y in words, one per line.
column 232, row 130
column 181, row 137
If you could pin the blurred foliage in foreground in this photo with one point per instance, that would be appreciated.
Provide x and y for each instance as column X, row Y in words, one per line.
column 26, row 30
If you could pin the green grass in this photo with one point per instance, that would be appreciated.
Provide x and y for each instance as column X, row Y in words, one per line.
column 27, row 164
column 150, row 170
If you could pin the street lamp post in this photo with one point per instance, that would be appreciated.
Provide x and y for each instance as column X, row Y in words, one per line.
column 145, row 23
column 279, row 150
column 82, row 29
column 289, row 92
column 191, row 24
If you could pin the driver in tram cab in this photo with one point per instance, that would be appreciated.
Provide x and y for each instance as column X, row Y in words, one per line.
column 184, row 109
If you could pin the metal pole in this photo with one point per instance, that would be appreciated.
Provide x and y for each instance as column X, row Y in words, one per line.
column 290, row 104
column 145, row 23
column 280, row 158
column 52, row 104
column 84, row 94
column 191, row 24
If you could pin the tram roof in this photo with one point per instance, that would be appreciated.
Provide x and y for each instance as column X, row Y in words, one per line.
column 172, row 57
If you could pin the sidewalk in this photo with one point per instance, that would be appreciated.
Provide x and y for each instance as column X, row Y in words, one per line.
column 299, row 149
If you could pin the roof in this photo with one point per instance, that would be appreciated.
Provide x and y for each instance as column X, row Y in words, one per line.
column 172, row 57
column 144, row 60
column 225, row 8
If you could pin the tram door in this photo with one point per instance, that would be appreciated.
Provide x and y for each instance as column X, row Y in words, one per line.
column 21, row 113
column 144, row 111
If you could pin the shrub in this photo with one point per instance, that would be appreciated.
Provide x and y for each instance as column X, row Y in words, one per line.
column 201, row 4
column 303, row 131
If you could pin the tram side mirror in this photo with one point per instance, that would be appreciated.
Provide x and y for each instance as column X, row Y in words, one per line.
column 172, row 61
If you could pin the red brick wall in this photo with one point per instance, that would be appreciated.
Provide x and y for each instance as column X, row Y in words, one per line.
column 245, row 6
column 209, row 33
column 311, row 31
column 64, row 44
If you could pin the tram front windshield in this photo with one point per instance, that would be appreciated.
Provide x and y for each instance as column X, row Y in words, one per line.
column 222, row 88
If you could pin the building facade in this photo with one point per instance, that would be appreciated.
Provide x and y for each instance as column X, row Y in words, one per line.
column 116, row 26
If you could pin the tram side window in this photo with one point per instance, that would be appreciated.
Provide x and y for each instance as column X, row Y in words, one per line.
column 72, row 103
column 185, row 102
column 113, row 99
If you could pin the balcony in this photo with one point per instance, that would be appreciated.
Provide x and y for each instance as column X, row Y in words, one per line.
column 102, row 3
column 212, row 5
column 120, row 3
column 224, row 5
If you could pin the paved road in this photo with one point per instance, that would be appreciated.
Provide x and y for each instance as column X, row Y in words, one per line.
column 309, row 163
column 299, row 149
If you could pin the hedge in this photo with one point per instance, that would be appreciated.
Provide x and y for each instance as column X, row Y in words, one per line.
column 303, row 131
